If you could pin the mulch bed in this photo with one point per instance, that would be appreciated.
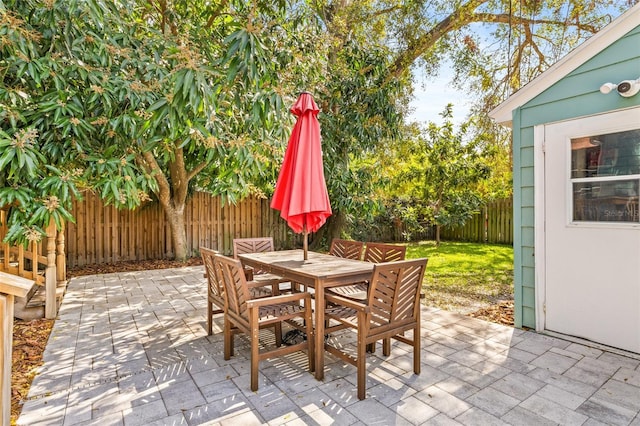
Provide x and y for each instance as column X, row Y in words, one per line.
column 501, row 313
column 29, row 341
column 30, row 338
column 134, row 265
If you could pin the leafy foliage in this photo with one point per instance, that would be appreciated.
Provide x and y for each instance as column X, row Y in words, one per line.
column 374, row 48
column 134, row 102
column 153, row 99
column 442, row 175
column 361, row 115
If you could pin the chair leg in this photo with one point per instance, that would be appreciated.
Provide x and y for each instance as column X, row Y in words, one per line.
column 277, row 329
column 255, row 360
column 386, row 346
column 209, row 318
column 361, row 361
column 228, row 339
column 416, row 349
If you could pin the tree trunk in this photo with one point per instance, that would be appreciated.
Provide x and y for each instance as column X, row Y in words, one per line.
column 335, row 225
column 437, row 234
column 172, row 195
column 178, row 232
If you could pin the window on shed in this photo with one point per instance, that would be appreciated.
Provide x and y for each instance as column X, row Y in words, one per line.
column 605, row 177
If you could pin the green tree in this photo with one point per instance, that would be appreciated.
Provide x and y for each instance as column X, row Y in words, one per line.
column 361, row 114
column 141, row 100
column 360, row 109
column 154, row 98
column 373, row 48
column 445, row 171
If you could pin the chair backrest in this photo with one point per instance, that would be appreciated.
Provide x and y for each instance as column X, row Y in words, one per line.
column 380, row 252
column 236, row 291
column 252, row 245
column 394, row 294
column 215, row 289
column 347, row 249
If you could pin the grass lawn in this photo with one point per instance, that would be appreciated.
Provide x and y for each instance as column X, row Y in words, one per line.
column 465, row 277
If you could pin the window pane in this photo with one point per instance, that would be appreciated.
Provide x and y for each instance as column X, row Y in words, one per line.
column 614, row 154
column 615, row 201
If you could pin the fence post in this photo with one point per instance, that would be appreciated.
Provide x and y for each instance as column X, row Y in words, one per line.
column 10, row 287
column 51, row 282
column 61, row 262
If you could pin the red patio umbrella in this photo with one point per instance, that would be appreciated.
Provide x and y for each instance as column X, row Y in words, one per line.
column 301, row 191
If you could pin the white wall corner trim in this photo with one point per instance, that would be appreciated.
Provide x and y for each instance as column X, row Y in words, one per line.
column 539, row 227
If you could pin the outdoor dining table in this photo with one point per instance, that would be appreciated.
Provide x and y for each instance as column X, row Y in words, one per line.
column 319, row 271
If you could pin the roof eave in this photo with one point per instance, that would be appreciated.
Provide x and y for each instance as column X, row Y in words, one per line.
column 620, row 26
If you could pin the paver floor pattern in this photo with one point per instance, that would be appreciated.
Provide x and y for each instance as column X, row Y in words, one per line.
column 131, row 348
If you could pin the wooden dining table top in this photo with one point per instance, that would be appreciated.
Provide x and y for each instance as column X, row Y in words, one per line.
column 319, row 271
column 320, row 268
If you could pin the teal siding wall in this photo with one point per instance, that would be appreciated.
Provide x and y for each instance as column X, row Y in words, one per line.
column 575, row 95
column 517, row 221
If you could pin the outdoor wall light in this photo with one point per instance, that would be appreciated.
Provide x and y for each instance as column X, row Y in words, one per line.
column 625, row 88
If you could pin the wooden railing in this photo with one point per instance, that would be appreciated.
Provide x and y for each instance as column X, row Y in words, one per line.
column 11, row 286
column 43, row 261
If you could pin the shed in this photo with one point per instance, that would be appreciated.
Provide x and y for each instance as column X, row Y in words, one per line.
column 576, row 177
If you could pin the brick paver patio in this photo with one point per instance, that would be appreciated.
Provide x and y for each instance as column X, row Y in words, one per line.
column 131, row 348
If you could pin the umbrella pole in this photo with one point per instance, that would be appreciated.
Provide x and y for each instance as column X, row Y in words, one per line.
column 305, row 242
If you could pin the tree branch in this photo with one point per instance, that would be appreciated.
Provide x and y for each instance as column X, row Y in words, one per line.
column 416, row 48
column 505, row 18
column 463, row 16
column 150, row 163
column 216, row 13
column 197, row 169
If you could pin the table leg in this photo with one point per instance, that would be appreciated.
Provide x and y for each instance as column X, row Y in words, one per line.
column 319, row 334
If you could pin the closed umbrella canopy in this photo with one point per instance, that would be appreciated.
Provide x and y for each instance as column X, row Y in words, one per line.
column 301, row 191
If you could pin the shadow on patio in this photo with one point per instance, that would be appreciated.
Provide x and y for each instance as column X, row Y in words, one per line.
column 130, row 348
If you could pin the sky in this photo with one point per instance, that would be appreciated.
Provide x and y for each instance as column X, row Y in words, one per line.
column 433, row 94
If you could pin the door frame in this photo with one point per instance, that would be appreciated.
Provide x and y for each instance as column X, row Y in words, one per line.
column 539, row 226
column 623, row 118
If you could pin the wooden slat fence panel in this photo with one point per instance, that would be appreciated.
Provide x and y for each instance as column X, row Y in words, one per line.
column 103, row 234
column 494, row 224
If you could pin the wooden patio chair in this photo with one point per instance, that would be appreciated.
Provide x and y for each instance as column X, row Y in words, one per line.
column 391, row 309
column 375, row 253
column 259, row 245
column 347, row 249
column 215, row 289
column 381, row 252
column 249, row 315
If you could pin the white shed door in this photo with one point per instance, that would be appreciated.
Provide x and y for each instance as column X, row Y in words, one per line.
column 591, row 283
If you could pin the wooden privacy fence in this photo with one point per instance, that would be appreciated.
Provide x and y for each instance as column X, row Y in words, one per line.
column 104, row 234
column 494, row 224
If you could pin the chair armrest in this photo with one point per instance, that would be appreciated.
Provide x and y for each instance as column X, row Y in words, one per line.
column 275, row 288
column 349, row 303
column 292, row 297
column 254, row 284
